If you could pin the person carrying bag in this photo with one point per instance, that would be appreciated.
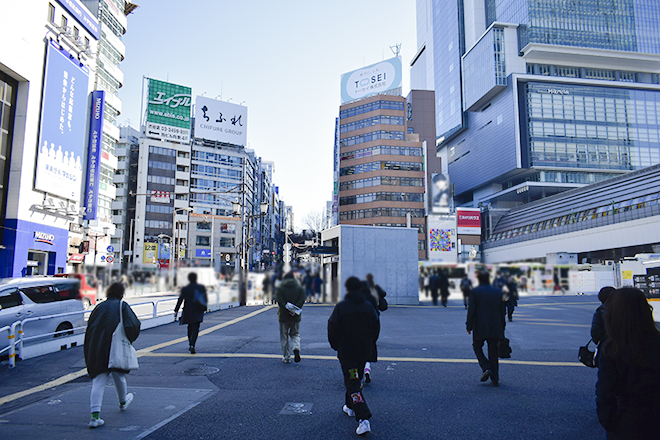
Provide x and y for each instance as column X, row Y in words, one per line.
column 112, row 326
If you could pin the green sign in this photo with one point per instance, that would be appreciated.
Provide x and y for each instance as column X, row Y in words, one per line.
column 168, row 111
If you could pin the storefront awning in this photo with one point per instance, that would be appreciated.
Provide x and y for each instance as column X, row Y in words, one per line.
column 76, row 258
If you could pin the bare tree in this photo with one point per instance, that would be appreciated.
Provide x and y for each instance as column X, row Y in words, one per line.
column 313, row 220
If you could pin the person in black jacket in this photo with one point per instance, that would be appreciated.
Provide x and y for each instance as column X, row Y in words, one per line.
column 192, row 314
column 376, row 295
column 102, row 322
column 444, row 288
column 434, row 282
column 485, row 317
column 353, row 330
column 628, row 387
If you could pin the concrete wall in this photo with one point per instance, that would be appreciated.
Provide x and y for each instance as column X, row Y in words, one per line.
column 389, row 253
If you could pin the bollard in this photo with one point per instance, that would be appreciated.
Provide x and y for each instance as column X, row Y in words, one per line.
column 12, row 350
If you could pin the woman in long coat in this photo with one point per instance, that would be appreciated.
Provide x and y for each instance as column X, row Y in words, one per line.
column 628, row 388
column 102, row 323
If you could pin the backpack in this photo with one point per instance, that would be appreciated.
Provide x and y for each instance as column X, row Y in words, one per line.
column 199, row 301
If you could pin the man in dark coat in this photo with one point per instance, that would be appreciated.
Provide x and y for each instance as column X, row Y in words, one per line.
column 192, row 314
column 444, row 288
column 353, row 330
column 289, row 291
column 485, row 317
column 102, row 322
column 434, row 283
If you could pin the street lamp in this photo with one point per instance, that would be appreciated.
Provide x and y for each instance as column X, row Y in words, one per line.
column 174, row 251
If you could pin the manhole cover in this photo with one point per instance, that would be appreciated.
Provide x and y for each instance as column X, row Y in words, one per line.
column 200, row 371
column 294, row 408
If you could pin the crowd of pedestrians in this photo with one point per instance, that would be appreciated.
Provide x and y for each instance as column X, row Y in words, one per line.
column 627, row 340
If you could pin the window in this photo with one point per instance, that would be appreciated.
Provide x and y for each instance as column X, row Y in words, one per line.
column 203, row 240
column 10, row 298
column 86, row 42
column 51, row 13
column 76, row 32
column 64, row 21
column 39, row 294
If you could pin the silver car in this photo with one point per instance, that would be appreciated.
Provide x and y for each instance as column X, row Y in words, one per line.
column 24, row 298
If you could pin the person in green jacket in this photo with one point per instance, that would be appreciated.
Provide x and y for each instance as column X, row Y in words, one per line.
column 290, row 297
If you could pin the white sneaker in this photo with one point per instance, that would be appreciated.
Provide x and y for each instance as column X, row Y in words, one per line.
column 95, row 423
column 363, row 427
column 349, row 412
column 129, row 399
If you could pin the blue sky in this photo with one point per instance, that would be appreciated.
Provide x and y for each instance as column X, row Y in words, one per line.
column 284, row 59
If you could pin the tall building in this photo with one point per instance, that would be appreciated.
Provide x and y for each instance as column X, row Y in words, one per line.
column 47, row 67
column 535, row 97
column 381, row 172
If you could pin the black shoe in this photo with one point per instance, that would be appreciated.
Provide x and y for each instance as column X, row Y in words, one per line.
column 496, row 383
column 510, row 319
column 296, row 355
column 192, row 350
column 485, row 376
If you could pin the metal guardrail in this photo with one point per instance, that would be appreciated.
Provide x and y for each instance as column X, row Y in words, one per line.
column 16, row 336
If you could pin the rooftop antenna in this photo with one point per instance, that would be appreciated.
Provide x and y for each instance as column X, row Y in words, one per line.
column 396, row 49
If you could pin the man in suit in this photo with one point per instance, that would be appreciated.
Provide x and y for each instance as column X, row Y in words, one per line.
column 192, row 314
column 485, row 317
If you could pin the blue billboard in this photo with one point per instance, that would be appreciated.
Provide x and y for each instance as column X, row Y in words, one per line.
column 62, row 131
column 83, row 15
column 94, row 155
column 203, row 253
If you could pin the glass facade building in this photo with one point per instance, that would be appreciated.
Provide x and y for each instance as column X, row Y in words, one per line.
column 554, row 94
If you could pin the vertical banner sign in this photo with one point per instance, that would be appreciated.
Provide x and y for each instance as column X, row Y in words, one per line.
column 441, row 239
column 168, row 111
column 439, row 193
column 62, row 133
column 94, row 155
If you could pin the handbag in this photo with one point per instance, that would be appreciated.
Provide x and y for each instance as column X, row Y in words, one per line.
column 587, row 356
column 503, row 348
column 199, row 301
column 122, row 353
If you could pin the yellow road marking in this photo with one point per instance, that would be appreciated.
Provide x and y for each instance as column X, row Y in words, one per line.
column 143, row 352
column 380, row 358
column 560, row 304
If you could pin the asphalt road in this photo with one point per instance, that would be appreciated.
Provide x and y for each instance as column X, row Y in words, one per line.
column 425, row 385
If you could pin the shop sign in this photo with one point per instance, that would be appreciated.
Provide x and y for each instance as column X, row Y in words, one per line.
column 76, row 228
column 43, row 237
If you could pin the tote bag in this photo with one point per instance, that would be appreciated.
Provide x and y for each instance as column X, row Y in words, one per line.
column 122, row 353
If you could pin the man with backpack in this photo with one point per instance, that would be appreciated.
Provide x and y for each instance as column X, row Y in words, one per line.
column 195, row 303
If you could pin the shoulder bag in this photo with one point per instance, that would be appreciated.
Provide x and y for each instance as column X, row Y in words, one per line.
column 587, row 356
column 503, row 348
column 122, row 353
column 199, row 301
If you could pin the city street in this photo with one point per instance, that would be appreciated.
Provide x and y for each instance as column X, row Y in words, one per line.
column 425, row 385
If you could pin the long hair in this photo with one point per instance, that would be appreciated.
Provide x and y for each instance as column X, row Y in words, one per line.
column 629, row 324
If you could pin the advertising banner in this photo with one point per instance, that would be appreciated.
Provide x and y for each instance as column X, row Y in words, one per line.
column 168, row 111
column 203, row 253
column 371, row 80
column 442, row 239
column 150, row 253
column 468, row 221
column 94, row 148
column 220, row 121
column 160, row 197
column 439, row 186
column 63, row 117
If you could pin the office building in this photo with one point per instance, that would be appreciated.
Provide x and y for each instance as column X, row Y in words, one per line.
column 46, row 79
column 533, row 98
column 381, row 171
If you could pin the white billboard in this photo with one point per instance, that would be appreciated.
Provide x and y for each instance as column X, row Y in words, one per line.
column 220, row 121
column 371, row 80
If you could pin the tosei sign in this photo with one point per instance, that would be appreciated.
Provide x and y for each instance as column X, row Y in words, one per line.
column 220, row 121
column 168, row 111
column 468, row 221
column 371, row 80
